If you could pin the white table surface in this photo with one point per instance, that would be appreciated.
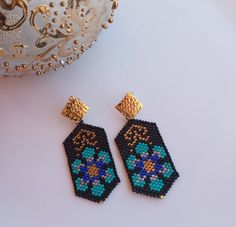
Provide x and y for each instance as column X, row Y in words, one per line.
column 179, row 58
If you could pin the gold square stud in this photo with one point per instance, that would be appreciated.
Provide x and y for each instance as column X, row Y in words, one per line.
column 129, row 106
column 75, row 109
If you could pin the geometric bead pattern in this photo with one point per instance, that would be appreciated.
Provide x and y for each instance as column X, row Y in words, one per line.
column 91, row 163
column 146, row 158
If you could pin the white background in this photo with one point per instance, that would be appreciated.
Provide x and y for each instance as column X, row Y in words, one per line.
column 179, row 58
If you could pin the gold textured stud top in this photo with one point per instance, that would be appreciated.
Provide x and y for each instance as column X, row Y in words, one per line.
column 75, row 109
column 129, row 106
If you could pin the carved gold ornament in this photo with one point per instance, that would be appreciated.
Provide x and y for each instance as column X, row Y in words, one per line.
column 129, row 106
column 37, row 36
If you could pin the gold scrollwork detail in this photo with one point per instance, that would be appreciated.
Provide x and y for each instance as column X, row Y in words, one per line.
column 84, row 138
column 11, row 6
column 61, row 32
column 136, row 133
column 45, row 31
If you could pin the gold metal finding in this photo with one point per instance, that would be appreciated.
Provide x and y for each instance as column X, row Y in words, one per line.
column 75, row 109
column 115, row 4
column 129, row 106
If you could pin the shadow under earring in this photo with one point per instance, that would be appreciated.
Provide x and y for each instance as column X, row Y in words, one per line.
column 89, row 157
column 145, row 156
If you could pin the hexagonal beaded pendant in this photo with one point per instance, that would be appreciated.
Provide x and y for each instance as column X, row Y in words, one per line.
column 89, row 157
column 145, row 156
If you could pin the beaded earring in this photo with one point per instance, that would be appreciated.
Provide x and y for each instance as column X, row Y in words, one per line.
column 145, row 156
column 89, row 157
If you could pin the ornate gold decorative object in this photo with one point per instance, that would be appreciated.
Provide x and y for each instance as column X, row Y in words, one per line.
column 129, row 106
column 37, row 36
column 75, row 109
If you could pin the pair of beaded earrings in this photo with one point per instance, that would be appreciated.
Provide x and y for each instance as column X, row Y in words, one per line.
column 145, row 156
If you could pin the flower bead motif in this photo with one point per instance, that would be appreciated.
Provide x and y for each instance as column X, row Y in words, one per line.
column 147, row 161
column 93, row 171
column 92, row 167
column 149, row 165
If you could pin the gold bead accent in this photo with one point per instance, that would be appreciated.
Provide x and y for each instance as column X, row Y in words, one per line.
column 76, row 42
column 62, row 25
column 110, row 20
column 105, row 26
column 115, row 4
column 75, row 109
column 129, row 106
column 17, row 68
column 63, row 3
column 52, row 4
column 6, row 64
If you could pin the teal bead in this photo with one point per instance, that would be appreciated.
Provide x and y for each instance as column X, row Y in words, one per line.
column 98, row 190
column 110, row 175
column 75, row 166
column 105, row 156
column 88, row 152
column 81, row 185
column 131, row 162
column 160, row 150
column 141, row 148
column 156, row 185
column 138, row 181
column 169, row 170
